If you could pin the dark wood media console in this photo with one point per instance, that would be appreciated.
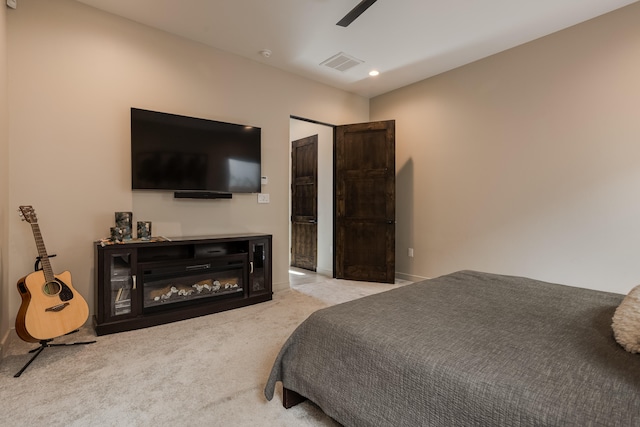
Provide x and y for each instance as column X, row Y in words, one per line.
column 142, row 284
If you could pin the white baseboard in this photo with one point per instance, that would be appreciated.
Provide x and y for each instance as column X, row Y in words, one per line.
column 328, row 273
column 410, row 277
column 398, row 275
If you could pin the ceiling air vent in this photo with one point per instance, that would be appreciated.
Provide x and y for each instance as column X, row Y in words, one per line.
column 341, row 62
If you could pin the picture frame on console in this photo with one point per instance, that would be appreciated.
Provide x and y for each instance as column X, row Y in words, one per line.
column 124, row 221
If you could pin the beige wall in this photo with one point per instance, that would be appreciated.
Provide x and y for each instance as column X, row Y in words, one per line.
column 526, row 162
column 74, row 73
column 4, row 182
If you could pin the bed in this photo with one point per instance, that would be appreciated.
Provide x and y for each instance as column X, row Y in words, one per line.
column 465, row 349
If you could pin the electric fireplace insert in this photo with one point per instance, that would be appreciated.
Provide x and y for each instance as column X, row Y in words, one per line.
column 165, row 286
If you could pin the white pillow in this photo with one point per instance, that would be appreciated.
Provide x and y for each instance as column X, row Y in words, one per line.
column 626, row 321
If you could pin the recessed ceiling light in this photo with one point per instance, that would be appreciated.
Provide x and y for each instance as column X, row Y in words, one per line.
column 374, row 73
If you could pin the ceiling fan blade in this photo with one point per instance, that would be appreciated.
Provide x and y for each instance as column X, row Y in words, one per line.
column 355, row 12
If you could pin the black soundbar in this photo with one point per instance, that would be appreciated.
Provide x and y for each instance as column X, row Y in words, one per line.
column 201, row 195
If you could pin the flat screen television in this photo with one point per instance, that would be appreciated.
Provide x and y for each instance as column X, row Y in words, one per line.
column 188, row 154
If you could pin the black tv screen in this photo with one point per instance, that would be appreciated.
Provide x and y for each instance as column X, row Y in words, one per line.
column 172, row 152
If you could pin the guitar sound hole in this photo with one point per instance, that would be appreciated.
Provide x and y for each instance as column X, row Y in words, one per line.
column 52, row 288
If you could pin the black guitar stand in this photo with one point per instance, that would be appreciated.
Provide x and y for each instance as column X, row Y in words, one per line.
column 47, row 343
column 38, row 265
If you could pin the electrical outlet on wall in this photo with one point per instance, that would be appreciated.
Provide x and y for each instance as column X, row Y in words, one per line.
column 12, row 3
column 263, row 198
column 410, row 252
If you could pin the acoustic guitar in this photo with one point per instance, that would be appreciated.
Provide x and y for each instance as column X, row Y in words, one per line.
column 50, row 307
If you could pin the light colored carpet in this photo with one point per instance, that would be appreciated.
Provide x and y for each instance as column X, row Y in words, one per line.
column 207, row 371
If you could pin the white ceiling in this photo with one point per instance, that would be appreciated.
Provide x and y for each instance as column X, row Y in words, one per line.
column 406, row 40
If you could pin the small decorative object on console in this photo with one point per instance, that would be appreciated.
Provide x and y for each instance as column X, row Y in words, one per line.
column 144, row 230
column 124, row 221
column 117, row 234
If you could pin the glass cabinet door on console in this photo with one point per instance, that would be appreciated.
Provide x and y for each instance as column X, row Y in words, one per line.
column 120, row 285
column 259, row 273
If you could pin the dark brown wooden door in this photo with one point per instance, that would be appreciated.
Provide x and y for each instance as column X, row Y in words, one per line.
column 365, row 201
column 304, row 203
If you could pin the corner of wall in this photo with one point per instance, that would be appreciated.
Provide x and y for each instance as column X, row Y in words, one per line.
column 4, row 344
column 282, row 286
column 4, row 184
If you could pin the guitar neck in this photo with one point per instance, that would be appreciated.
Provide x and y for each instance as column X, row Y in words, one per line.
column 42, row 253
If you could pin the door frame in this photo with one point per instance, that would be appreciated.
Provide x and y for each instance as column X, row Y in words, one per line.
column 327, row 252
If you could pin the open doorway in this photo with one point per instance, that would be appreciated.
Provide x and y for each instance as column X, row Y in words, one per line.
column 355, row 198
column 299, row 129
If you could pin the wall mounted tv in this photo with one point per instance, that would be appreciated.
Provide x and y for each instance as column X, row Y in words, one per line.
column 196, row 158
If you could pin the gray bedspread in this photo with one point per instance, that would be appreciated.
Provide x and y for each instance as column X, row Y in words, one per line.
column 466, row 349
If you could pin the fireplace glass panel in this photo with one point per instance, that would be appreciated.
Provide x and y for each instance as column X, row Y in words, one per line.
column 169, row 289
